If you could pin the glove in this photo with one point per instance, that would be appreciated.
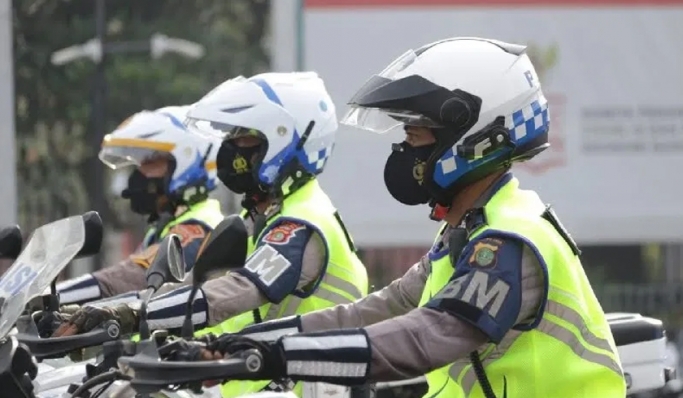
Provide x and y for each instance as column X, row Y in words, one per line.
column 206, row 339
column 88, row 318
column 272, row 352
column 47, row 322
column 182, row 350
column 69, row 309
column 214, row 348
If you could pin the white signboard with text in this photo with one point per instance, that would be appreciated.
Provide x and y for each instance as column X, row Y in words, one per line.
column 613, row 75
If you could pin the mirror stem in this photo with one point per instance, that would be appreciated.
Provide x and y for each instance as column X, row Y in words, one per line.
column 144, row 326
column 51, row 302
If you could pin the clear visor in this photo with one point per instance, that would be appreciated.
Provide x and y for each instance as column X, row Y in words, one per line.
column 117, row 157
column 220, row 130
column 383, row 120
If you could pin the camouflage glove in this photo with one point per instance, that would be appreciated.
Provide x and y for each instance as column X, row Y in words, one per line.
column 48, row 321
column 69, row 309
column 88, row 318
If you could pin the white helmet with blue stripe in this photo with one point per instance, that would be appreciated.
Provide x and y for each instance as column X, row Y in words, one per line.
column 480, row 98
column 150, row 134
column 291, row 114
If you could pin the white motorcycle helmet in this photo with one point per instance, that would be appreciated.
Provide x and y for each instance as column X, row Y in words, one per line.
column 150, row 134
column 481, row 99
column 291, row 114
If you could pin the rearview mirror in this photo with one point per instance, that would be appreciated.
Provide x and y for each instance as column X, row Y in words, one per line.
column 224, row 248
column 11, row 242
column 168, row 264
column 176, row 260
column 93, row 234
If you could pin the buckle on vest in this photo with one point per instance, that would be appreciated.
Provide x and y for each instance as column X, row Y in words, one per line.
column 550, row 216
column 474, row 219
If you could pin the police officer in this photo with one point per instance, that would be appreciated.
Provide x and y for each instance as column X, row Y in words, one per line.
column 500, row 306
column 279, row 131
column 170, row 185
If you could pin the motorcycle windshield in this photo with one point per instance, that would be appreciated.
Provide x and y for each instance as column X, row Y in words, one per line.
column 49, row 250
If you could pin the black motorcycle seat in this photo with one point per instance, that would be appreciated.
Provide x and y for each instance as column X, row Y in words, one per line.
column 630, row 328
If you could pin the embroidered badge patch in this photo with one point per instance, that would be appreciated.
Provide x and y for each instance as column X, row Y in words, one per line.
column 283, row 233
column 188, row 233
column 485, row 252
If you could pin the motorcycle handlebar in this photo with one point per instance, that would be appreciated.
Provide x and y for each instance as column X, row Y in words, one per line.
column 56, row 347
column 153, row 374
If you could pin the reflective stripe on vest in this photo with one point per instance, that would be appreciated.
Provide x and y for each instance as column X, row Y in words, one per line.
column 464, row 372
column 290, row 305
column 571, row 353
column 345, row 279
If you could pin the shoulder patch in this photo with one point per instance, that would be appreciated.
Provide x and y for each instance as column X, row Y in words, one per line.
column 485, row 253
column 268, row 264
column 188, row 232
column 283, row 233
column 145, row 257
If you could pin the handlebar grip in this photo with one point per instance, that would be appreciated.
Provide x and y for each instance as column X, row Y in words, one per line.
column 56, row 347
column 151, row 374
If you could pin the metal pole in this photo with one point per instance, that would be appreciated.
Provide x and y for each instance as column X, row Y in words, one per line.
column 301, row 36
column 284, row 24
column 95, row 171
column 8, row 181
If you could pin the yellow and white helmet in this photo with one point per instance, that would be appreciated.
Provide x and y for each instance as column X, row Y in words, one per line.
column 150, row 134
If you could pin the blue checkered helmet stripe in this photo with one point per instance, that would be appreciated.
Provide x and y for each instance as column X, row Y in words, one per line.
column 524, row 125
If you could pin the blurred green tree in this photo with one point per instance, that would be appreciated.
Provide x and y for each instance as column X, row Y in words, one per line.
column 53, row 103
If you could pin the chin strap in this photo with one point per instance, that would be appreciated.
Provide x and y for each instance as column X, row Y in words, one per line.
column 250, row 203
column 251, row 199
column 438, row 211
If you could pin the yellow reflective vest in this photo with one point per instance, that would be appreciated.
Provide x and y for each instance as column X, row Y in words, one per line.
column 207, row 212
column 345, row 278
column 570, row 354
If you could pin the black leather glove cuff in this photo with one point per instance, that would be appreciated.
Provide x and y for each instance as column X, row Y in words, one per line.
column 181, row 350
column 47, row 322
column 272, row 352
column 207, row 339
column 277, row 360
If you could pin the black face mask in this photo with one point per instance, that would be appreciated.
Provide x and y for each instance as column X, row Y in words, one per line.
column 404, row 173
column 143, row 192
column 235, row 169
